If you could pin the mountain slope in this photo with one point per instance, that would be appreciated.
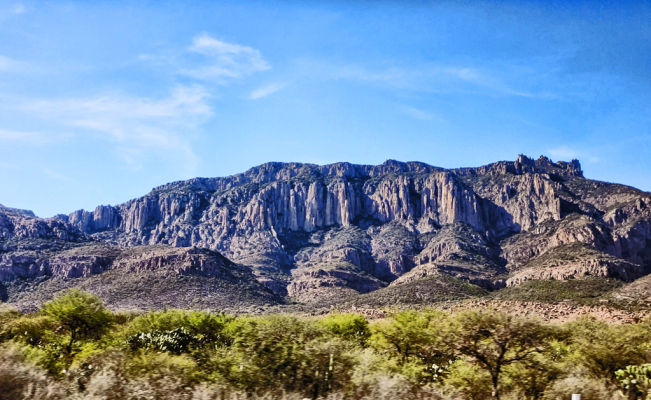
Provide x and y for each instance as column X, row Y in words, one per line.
column 317, row 232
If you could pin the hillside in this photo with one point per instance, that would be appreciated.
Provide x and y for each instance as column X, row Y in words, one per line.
column 302, row 233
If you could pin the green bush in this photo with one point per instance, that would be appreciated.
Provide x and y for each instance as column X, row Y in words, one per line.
column 413, row 346
column 603, row 349
column 349, row 327
column 77, row 349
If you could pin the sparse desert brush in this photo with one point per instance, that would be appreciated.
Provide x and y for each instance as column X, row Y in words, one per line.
column 415, row 354
column 20, row 379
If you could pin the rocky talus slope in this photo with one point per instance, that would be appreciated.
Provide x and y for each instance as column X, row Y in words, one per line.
column 309, row 233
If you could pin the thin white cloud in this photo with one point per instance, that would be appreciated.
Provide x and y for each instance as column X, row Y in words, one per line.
column 225, row 60
column 6, row 63
column 55, row 175
column 566, row 153
column 15, row 136
column 433, row 78
column 563, row 153
column 10, row 65
column 7, row 166
column 18, row 9
column 418, row 114
column 266, row 90
column 135, row 125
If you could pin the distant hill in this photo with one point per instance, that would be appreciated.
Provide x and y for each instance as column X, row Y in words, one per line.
column 301, row 233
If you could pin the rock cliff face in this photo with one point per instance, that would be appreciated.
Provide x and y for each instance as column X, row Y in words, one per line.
column 306, row 230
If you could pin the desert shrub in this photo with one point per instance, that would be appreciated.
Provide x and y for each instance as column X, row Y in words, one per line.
column 282, row 353
column 7, row 316
column 121, row 318
column 99, row 374
column 113, row 375
column 353, row 328
column 411, row 343
column 589, row 389
column 34, row 330
column 531, row 378
column 21, row 380
column 603, row 349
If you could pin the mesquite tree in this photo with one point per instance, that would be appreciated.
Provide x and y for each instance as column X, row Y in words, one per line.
column 78, row 313
column 494, row 341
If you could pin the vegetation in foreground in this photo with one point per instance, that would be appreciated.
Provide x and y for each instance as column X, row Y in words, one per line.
column 73, row 348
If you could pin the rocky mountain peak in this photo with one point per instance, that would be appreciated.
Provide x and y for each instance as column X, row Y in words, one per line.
column 327, row 230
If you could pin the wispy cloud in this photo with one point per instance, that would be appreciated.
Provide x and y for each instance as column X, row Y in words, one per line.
column 55, row 175
column 433, row 78
column 266, row 90
column 225, row 60
column 563, row 153
column 18, row 9
column 6, row 63
column 14, row 136
column 418, row 114
column 7, row 166
column 135, row 125
column 566, row 153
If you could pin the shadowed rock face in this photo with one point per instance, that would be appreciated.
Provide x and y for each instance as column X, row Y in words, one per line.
column 303, row 229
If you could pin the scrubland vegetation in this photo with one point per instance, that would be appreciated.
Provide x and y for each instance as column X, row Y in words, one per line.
column 73, row 348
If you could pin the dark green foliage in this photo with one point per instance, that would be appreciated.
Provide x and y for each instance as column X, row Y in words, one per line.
column 206, row 327
column 284, row 353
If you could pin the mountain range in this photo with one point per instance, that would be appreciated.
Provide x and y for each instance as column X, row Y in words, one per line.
column 289, row 233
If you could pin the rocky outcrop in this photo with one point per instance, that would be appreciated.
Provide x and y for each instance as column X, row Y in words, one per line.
column 22, row 224
column 595, row 267
column 303, row 229
column 103, row 218
column 519, row 249
column 306, row 282
column 85, row 261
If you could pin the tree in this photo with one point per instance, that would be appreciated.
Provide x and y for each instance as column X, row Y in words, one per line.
column 412, row 338
column 349, row 327
column 604, row 349
column 78, row 313
column 495, row 341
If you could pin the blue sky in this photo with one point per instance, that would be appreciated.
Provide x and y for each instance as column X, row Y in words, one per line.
column 101, row 101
